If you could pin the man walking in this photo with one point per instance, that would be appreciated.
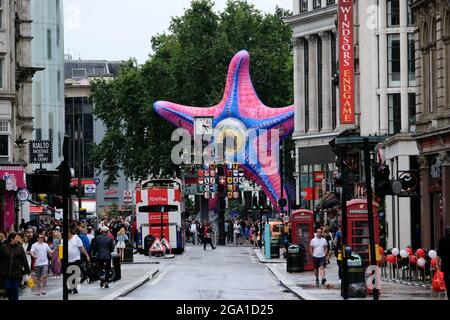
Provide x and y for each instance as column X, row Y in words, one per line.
column 103, row 246
column 444, row 258
column 319, row 250
column 13, row 265
column 207, row 236
column 75, row 248
column 40, row 251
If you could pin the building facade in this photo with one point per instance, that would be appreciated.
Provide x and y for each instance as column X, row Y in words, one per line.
column 48, row 84
column 433, row 121
column 315, row 97
column 79, row 118
column 16, row 120
column 385, row 97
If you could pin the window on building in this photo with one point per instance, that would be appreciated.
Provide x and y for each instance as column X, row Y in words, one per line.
column 393, row 13
column 58, row 21
column 330, row 2
column 306, row 86
column 59, row 88
column 79, row 73
column 394, row 60
column 319, row 76
column 1, row 14
column 394, row 113
column 38, row 133
column 303, row 5
column 2, row 67
column 317, row 4
column 333, row 88
column 49, row 44
column 411, row 20
column 4, row 138
column 411, row 109
column 411, row 60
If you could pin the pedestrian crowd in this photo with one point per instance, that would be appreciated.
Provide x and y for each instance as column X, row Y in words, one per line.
column 35, row 251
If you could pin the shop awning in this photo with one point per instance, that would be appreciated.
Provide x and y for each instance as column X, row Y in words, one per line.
column 89, row 205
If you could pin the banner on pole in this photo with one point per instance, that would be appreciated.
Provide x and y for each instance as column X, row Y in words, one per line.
column 346, row 62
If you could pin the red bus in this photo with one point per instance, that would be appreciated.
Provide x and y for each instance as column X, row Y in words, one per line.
column 159, row 209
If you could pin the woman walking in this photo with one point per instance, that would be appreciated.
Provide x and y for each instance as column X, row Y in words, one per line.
column 56, row 262
column 121, row 238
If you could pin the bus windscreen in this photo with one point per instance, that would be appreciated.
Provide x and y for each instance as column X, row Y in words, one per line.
column 158, row 208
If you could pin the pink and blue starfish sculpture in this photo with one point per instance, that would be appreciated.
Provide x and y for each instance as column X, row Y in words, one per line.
column 241, row 106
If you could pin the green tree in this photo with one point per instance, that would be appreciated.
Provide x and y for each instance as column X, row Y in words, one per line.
column 188, row 65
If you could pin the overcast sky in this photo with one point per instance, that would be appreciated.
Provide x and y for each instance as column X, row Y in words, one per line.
column 118, row 30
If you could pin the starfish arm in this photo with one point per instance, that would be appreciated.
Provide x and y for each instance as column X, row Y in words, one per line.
column 180, row 115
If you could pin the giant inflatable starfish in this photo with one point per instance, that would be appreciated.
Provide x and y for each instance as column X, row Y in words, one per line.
column 241, row 107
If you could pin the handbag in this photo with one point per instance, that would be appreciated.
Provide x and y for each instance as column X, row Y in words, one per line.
column 30, row 282
column 438, row 282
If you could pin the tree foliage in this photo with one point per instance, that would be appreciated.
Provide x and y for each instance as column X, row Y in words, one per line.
column 188, row 65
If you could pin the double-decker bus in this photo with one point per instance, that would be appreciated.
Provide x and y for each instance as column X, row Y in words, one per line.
column 159, row 209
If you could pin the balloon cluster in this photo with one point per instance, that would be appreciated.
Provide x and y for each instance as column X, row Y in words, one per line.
column 419, row 258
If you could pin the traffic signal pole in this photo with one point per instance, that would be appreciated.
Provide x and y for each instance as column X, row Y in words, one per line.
column 344, row 283
column 367, row 165
column 65, row 178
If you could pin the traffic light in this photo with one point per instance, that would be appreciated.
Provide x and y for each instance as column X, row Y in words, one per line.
column 82, row 214
column 254, row 202
column 74, row 190
column 382, row 182
column 343, row 186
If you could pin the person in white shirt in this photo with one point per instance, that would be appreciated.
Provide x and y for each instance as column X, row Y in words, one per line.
column 75, row 249
column 319, row 250
column 193, row 230
column 89, row 234
column 40, row 251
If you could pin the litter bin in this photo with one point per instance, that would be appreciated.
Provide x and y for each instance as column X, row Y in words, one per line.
column 128, row 254
column 356, row 277
column 148, row 241
column 294, row 261
column 274, row 248
column 117, row 274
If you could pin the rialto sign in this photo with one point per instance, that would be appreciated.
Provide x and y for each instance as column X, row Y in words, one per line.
column 347, row 67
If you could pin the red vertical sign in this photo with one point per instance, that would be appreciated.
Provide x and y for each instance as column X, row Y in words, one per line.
column 346, row 62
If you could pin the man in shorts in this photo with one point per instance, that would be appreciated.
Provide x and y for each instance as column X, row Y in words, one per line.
column 40, row 251
column 319, row 250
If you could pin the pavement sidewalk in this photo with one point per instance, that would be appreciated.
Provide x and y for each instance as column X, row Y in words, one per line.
column 303, row 285
column 133, row 275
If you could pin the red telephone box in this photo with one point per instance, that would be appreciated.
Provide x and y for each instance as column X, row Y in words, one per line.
column 303, row 232
column 358, row 227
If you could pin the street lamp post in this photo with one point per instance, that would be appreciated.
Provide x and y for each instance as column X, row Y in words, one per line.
column 79, row 136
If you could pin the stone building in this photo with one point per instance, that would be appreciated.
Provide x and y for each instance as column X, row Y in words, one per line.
column 16, row 120
column 385, row 98
column 433, row 120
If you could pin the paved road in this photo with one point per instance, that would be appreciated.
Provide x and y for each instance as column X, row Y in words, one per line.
column 227, row 273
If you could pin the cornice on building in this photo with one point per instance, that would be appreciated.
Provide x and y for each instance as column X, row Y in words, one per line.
column 312, row 15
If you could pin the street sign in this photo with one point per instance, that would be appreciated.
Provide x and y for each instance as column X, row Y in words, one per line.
column 127, row 196
column 41, row 151
column 90, row 189
column 97, row 181
column 23, row 194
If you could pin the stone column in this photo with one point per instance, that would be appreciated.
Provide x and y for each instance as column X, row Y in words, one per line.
column 299, row 85
column 384, row 115
column 445, row 160
column 313, row 84
column 404, row 66
column 326, row 81
column 425, row 219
